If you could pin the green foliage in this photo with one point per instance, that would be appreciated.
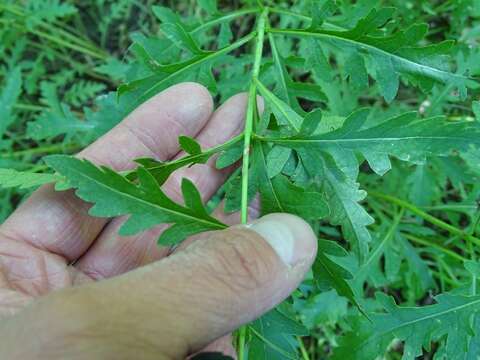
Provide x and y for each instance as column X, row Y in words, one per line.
column 450, row 318
column 81, row 91
column 328, row 274
column 8, row 98
column 145, row 202
column 273, row 337
column 24, row 180
column 370, row 132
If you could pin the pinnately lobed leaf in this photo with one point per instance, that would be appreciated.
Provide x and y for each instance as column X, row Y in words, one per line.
column 273, row 337
column 8, row 96
column 328, row 274
column 450, row 317
column 405, row 137
column 391, row 55
column 24, row 180
column 145, row 202
column 331, row 157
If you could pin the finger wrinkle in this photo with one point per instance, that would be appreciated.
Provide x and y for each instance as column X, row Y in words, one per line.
column 164, row 150
column 123, row 253
column 142, row 137
column 175, row 126
column 56, row 238
column 3, row 275
column 30, row 269
column 220, row 128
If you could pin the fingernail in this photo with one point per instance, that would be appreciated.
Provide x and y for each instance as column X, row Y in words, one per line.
column 291, row 237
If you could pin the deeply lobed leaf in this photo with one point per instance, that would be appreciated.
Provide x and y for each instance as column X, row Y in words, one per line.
column 145, row 203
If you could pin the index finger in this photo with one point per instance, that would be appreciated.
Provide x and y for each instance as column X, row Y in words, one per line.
column 59, row 222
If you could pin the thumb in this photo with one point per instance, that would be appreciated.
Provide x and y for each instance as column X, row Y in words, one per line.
column 236, row 275
column 205, row 290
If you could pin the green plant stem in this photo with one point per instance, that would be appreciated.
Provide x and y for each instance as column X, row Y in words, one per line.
column 431, row 219
column 444, row 278
column 38, row 168
column 29, row 107
column 303, row 350
column 434, row 245
column 326, row 24
column 227, row 17
column 242, row 335
column 212, row 55
column 448, row 269
column 251, row 111
column 220, row 20
column 250, row 117
column 55, row 28
column 280, row 11
column 41, row 150
column 81, row 67
column 471, row 251
column 191, row 158
column 375, row 254
column 58, row 41
column 69, row 45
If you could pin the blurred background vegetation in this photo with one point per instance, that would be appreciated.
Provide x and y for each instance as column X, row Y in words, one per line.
column 61, row 62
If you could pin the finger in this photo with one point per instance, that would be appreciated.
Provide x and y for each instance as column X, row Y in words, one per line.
column 113, row 254
column 230, row 219
column 58, row 222
column 253, row 211
column 176, row 306
column 223, row 346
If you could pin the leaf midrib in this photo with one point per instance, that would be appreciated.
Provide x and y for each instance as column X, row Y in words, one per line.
column 201, row 59
column 274, row 100
column 136, row 199
column 269, row 181
column 417, row 320
column 337, row 191
column 427, row 69
column 377, row 139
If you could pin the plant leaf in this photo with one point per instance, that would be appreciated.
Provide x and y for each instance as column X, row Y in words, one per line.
column 450, row 317
column 276, row 160
column 166, row 15
column 321, row 10
column 342, row 195
column 284, row 82
column 180, row 37
column 404, row 137
column 162, row 170
column 8, row 97
column 10, row 178
column 145, row 203
column 280, row 195
column 393, row 54
column 210, row 6
column 273, row 337
column 190, row 145
column 328, row 274
column 143, row 89
column 283, row 112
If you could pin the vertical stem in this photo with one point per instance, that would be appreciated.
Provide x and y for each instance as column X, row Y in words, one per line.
column 251, row 111
column 249, row 122
column 471, row 251
column 303, row 350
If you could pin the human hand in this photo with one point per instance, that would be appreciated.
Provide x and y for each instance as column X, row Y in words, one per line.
column 72, row 288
